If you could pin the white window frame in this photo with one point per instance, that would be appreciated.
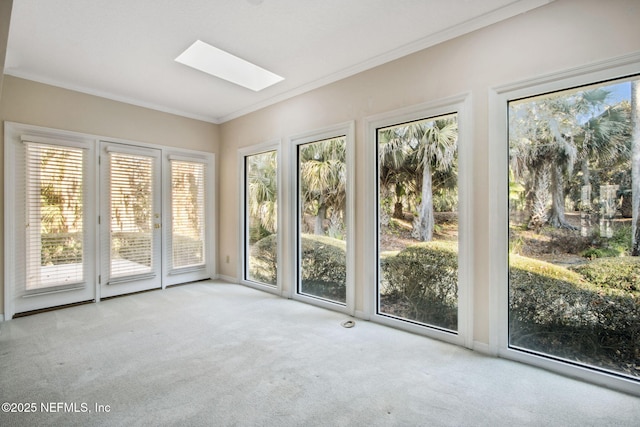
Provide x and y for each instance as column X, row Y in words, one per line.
column 499, row 97
column 461, row 106
column 243, row 153
column 347, row 130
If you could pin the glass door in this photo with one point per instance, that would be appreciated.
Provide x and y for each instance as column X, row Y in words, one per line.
column 54, row 247
column 130, row 219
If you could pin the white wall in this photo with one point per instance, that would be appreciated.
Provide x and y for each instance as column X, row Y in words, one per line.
column 558, row 36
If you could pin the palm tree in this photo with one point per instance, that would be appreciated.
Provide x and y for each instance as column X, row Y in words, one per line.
column 549, row 136
column 323, row 180
column 262, row 191
column 410, row 154
column 437, row 149
column 542, row 146
column 395, row 175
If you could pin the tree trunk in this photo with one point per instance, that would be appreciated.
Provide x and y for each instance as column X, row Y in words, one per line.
column 426, row 220
column 635, row 167
column 586, row 172
column 318, row 228
column 539, row 198
column 557, row 218
column 397, row 210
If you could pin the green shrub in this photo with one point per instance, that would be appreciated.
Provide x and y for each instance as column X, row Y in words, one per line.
column 556, row 311
column 595, row 253
column 421, row 283
column 324, row 267
column 264, row 260
column 603, row 247
column 324, row 270
column 618, row 273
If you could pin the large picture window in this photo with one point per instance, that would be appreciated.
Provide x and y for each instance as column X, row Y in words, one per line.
column 322, row 203
column 418, row 221
column 574, row 240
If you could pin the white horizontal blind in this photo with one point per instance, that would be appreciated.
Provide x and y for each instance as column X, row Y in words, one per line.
column 131, row 211
column 54, row 211
column 187, row 214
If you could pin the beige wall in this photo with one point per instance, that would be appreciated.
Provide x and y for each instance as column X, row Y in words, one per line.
column 561, row 35
column 5, row 17
column 28, row 102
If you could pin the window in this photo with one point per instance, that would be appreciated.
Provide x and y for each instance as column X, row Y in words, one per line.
column 131, row 212
column 417, row 252
column 322, row 196
column 55, row 242
column 187, row 214
column 260, row 207
column 322, row 208
column 418, row 221
column 574, row 266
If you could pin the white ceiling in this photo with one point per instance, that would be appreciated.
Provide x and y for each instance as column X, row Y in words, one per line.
column 125, row 49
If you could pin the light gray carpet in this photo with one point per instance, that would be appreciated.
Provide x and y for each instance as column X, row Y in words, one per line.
column 220, row 354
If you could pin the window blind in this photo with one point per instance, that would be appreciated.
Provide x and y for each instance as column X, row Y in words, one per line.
column 187, row 214
column 54, row 213
column 131, row 211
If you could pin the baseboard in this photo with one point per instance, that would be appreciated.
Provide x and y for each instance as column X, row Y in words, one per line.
column 227, row 278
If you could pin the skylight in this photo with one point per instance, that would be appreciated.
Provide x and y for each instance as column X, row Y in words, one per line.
column 218, row 63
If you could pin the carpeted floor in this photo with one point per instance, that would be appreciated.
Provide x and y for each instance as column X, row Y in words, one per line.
column 218, row 354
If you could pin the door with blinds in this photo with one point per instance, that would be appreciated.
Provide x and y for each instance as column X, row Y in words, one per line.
column 130, row 219
column 52, row 258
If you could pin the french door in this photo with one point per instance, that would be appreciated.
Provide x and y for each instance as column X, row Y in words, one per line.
column 84, row 218
column 51, row 206
column 130, row 219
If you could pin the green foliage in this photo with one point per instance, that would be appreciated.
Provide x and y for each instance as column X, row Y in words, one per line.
column 324, row 270
column 445, row 200
column 617, row 245
column 421, row 283
column 557, row 311
column 613, row 273
column 324, row 267
column 516, row 245
column 264, row 260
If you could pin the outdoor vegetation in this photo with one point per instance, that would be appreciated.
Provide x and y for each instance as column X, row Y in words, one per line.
column 418, row 203
column 261, row 215
column 574, row 192
column 322, row 185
